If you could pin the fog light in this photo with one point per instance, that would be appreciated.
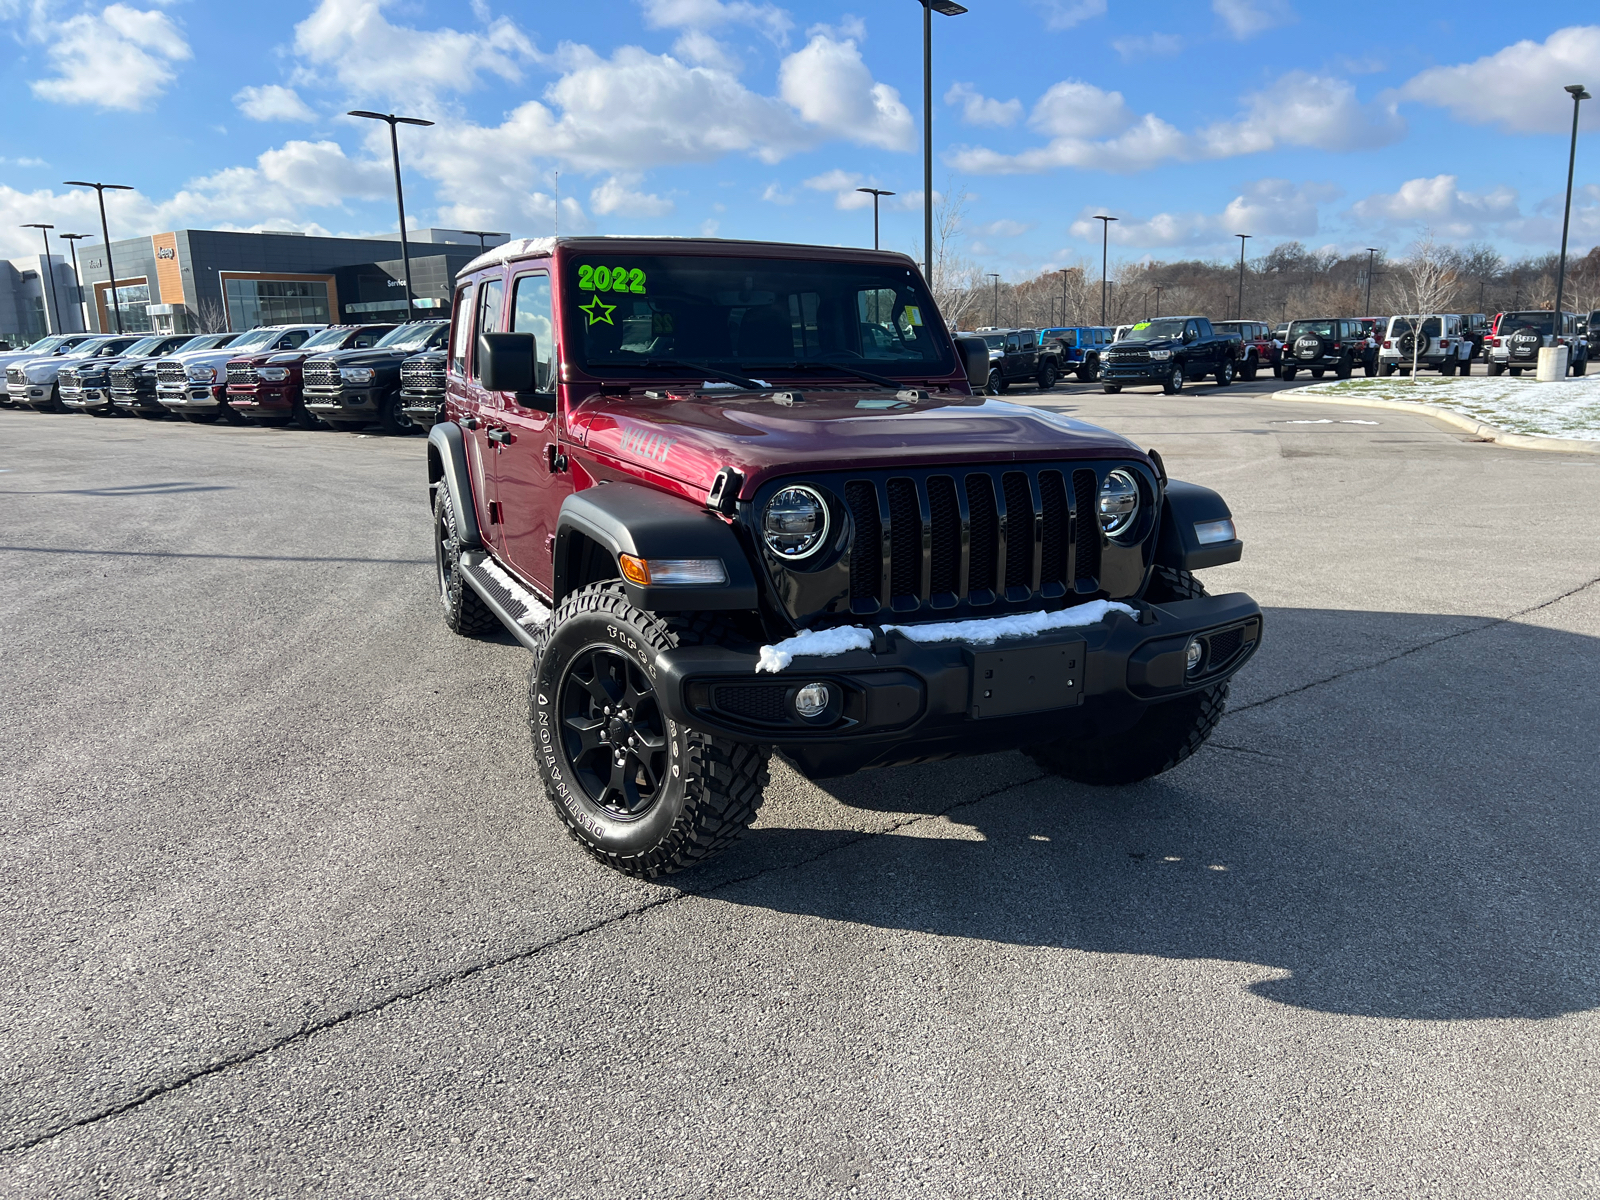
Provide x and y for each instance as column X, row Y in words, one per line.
column 1192, row 655
column 812, row 700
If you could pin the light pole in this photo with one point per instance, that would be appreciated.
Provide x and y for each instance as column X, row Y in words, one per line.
column 1105, row 241
column 1063, row 297
column 996, row 318
column 480, row 234
column 946, row 8
column 1578, row 97
column 1242, row 237
column 1371, row 250
column 72, row 240
column 51, row 324
column 399, row 195
column 111, row 271
column 1158, row 288
column 875, row 193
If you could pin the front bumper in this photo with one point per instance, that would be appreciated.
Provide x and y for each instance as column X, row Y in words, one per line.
column 345, row 404
column 88, row 397
column 198, row 397
column 262, row 398
column 424, row 408
column 144, row 401
column 906, row 702
column 1152, row 373
column 28, row 393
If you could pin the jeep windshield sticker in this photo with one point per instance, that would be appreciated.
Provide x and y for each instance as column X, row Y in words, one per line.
column 913, row 314
column 598, row 311
column 1142, row 325
column 610, row 279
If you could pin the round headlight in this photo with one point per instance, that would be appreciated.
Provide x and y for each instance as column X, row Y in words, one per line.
column 1119, row 503
column 795, row 523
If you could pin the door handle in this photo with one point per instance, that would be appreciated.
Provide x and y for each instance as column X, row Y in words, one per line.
column 469, row 422
column 500, row 437
column 553, row 458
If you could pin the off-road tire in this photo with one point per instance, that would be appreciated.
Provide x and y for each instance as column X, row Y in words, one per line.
column 997, row 383
column 715, row 786
column 1047, row 377
column 1447, row 367
column 1386, row 369
column 1247, row 372
column 1318, row 372
column 1345, row 369
column 1286, row 374
column 1162, row 738
column 1496, row 368
column 464, row 610
column 1581, row 367
column 1225, row 373
column 393, row 419
column 1090, row 370
column 1173, row 383
column 1369, row 366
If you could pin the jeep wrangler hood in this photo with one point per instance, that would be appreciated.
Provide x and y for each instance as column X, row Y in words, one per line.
column 690, row 439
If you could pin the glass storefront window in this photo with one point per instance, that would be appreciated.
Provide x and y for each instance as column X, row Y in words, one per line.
column 253, row 302
column 134, row 301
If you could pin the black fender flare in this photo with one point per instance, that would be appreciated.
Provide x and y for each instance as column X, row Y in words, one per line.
column 447, row 465
column 628, row 518
column 1177, row 544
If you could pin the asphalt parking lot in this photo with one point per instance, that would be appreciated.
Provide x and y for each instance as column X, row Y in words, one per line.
column 283, row 913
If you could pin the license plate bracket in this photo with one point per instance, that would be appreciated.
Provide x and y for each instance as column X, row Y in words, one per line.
column 1007, row 681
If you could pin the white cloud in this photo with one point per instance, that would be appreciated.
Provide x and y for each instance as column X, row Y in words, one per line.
column 774, row 194
column 1073, row 109
column 977, row 109
column 708, row 14
column 1154, row 45
column 353, row 43
column 829, row 85
column 709, row 228
column 1263, row 208
column 1002, row 228
column 1064, row 14
column 843, row 185
column 121, row 57
column 1247, row 18
column 1518, row 88
column 1301, row 109
column 1441, row 205
column 616, row 197
column 699, row 47
column 273, row 103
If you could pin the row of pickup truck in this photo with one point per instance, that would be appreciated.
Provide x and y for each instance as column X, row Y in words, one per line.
column 313, row 376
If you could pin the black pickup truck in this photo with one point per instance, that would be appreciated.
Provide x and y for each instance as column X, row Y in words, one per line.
column 1169, row 352
column 352, row 388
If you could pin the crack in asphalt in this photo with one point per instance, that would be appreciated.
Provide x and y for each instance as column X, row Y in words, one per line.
column 334, row 1020
column 1488, row 623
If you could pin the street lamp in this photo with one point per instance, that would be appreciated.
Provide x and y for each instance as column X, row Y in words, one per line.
column 1158, row 287
column 1242, row 237
column 480, row 234
column 875, row 193
column 1578, row 97
column 947, row 8
column 996, row 317
column 111, row 271
column 72, row 240
column 399, row 196
column 1371, row 250
column 1105, row 235
column 50, row 269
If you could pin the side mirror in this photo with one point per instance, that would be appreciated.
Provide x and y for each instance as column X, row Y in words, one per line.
column 506, row 361
column 974, row 352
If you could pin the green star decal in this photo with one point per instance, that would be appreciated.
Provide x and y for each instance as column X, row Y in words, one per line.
column 598, row 311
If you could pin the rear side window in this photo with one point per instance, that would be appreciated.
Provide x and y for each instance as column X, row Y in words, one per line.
column 488, row 310
column 531, row 313
column 291, row 340
column 366, row 339
column 463, row 330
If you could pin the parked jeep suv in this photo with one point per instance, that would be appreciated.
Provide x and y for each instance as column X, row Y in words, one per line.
column 1079, row 347
column 1170, row 351
column 353, row 388
column 1323, row 344
column 1437, row 341
column 1015, row 356
column 739, row 517
column 1518, row 337
column 264, row 386
column 86, row 386
column 1256, row 347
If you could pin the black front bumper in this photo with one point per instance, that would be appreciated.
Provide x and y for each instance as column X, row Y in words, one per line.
column 905, row 702
column 347, row 404
column 425, row 408
column 1139, row 374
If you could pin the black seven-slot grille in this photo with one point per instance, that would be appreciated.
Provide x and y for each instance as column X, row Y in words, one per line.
column 938, row 539
column 242, row 373
column 124, row 379
column 1129, row 356
column 320, row 373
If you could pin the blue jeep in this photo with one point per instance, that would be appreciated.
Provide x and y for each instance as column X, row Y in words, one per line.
column 1080, row 348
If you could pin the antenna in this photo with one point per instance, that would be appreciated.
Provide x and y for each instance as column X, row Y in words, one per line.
column 557, row 231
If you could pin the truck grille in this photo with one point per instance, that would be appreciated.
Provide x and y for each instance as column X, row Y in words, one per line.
column 1128, row 356
column 171, row 373
column 320, row 373
column 932, row 539
column 124, row 379
column 422, row 376
column 15, row 375
column 242, row 373
column 68, row 377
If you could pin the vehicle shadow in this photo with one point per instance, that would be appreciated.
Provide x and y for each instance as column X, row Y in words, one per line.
column 1414, row 841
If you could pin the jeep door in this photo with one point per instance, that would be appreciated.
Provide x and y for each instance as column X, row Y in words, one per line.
column 1011, row 360
column 472, row 406
column 527, row 482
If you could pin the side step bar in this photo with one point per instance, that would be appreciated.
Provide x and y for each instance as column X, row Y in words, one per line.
column 519, row 610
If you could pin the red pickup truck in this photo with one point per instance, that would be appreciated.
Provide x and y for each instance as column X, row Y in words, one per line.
column 743, row 496
column 267, row 389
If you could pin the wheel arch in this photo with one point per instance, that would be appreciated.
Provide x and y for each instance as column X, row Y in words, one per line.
column 447, row 464
column 1177, row 544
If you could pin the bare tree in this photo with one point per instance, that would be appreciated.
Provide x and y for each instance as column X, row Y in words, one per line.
column 1426, row 284
column 952, row 278
column 211, row 316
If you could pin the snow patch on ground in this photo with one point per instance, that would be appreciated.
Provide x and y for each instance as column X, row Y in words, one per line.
column 827, row 643
column 1568, row 408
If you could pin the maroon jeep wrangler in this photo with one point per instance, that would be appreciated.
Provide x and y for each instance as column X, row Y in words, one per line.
column 268, row 389
column 742, row 496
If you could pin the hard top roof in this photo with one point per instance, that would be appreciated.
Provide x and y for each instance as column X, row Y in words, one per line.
column 731, row 247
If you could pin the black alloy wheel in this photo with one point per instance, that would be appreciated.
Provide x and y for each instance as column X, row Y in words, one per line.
column 1047, row 377
column 997, row 382
column 613, row 732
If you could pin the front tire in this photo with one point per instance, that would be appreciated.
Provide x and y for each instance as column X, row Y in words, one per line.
column 464, row 610
column 642, row 793
column 1225, row 373
column 1090, row 370
column 1173, row 384
column 393, row 419
column 1047, row 377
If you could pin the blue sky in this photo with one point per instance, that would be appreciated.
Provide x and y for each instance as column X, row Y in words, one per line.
column 1191, row 122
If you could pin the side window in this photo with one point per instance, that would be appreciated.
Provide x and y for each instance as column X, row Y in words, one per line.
column 531, row 313
column 292, row 340
column 1013, row 344
column 365, row 340
column 1190, row 332
column 488, row 315
column 463, row 330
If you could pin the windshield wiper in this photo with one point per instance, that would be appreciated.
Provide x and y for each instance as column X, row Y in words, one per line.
column 843, row 369
column 704, row 369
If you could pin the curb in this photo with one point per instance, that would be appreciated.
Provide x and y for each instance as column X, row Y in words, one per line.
column 1489, row 433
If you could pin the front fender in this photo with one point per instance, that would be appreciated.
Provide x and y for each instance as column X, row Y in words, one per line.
column 1177, row 545
column 447, row 464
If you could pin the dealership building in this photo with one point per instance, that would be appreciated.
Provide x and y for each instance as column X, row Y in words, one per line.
column 203, row 280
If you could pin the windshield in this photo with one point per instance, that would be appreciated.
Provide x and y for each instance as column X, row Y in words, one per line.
column 1539, row 322
column 44, row 345
column 254, row 340
column 1404, row 325
column 328, row 337
column 412, row 337
column 1155, row 331
column 1323, row 329
column 144, row 346
column 211, row 341
column 995, row 341
column 750, row 314
column 87, row 349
